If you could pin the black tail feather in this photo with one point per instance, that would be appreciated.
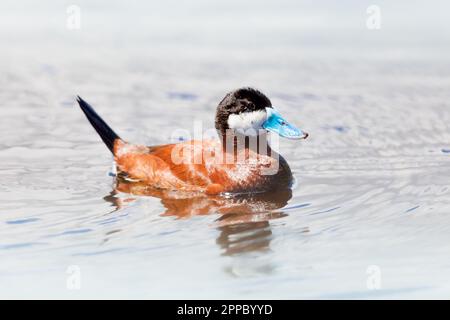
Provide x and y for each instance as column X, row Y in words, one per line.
column 106, row 133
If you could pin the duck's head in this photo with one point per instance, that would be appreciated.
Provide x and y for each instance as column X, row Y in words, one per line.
column 249, row 112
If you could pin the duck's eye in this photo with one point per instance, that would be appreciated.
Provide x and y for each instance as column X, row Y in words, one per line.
column 282, row 122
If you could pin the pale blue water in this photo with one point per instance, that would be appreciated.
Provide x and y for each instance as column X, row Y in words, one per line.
column 372, row 179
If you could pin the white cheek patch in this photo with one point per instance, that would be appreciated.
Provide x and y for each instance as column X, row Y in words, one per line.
column 247, row 123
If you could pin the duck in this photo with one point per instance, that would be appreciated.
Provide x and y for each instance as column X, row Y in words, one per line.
column 239, row 161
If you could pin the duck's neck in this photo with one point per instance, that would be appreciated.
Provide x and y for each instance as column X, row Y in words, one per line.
column 234, row 142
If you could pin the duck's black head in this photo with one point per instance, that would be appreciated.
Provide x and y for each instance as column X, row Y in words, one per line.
column 242, row 109
column 248, row 111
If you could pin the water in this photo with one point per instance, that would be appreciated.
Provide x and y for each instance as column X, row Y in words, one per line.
column 371, row 204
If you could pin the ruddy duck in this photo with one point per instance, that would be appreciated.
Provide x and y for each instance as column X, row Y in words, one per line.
column 240, row 161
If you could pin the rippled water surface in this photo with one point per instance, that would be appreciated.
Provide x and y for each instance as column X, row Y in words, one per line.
column 371, row 203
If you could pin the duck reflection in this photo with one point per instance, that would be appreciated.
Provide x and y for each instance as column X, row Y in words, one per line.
column 243, row 224
column 244, row 237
